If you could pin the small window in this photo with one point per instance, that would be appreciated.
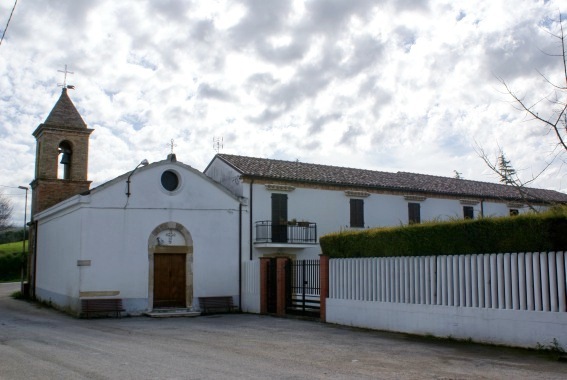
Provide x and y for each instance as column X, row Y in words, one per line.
column 357, row 213
column 468, row 212
column 514, row 212
column 169, row 180
column 414, row 213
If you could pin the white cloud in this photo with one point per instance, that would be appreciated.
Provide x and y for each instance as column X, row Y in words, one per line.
column 391, row 85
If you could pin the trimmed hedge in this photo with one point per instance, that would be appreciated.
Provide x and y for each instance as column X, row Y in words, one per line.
column 11, row 260
column 525, row 233
column 12, row 235
column 11, row 264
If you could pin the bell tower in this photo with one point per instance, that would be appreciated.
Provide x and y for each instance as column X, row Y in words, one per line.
column 62, row 152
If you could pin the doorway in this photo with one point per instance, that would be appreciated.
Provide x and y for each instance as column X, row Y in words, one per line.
column 169, row 280
column 170, row 271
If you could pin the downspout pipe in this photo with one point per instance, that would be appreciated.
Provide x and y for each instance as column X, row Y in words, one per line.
column 36, row 226
column 240, row 257
column 251, row 207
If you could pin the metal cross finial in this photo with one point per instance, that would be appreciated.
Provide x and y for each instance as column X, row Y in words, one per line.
column 65, row 72
column 172, row 145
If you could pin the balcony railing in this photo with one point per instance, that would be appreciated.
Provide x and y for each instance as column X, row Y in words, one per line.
column 298, row 233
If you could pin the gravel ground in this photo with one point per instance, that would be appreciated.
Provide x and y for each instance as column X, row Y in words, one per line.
column 41, row 343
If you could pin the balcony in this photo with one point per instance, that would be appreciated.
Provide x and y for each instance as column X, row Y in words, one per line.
column 269, row 234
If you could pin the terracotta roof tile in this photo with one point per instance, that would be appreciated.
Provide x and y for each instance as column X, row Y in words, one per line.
column 64, row 114
column 400, row 181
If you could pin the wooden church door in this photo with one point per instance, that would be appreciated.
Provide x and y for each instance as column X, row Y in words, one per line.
column 169, row 280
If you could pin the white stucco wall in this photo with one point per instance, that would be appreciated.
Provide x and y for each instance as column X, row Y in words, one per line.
column 330, row 209
column 112, row 231
column 497, row 326
column 227, row 176
column 57, row 278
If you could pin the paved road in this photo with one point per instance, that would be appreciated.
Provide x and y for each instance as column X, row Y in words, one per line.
column 40, row 343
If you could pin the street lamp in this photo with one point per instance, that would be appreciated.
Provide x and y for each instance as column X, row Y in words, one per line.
column 143, row 163
column 24, row 239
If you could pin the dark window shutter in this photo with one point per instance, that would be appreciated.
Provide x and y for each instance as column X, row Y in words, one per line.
column 279, row 218
column 279, row 208
column 357, row 213
column 414, row 213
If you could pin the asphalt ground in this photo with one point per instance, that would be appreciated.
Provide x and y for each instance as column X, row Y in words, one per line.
column 37, row 342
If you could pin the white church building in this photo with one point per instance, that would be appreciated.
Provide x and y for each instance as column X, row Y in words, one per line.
column 165, row 234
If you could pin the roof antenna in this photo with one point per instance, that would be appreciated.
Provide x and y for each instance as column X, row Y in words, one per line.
column 217, row 144
column 64, row 84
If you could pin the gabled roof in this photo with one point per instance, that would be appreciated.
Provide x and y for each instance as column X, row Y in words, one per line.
column 171, row 159
column 361, row 178
column 64, row 114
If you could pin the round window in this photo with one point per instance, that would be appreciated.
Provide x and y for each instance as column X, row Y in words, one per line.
column 169, row 180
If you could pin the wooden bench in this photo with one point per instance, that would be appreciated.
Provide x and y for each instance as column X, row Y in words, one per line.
column 210, row 305
column 101, row 305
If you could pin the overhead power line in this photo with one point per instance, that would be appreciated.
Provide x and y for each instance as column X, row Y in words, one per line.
column 8, row 23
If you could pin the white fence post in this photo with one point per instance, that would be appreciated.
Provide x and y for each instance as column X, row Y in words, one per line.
column 522, row 281
column 553, row 304
column 544, row 281
column 561, row 280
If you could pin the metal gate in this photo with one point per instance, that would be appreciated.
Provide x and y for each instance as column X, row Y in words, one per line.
column 303, row 288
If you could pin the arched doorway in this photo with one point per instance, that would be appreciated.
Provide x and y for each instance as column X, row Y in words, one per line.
column 170, row 254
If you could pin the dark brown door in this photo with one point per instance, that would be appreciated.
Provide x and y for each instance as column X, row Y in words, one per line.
column 169, row 280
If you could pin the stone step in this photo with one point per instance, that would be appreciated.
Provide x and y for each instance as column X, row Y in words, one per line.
column 172, row 313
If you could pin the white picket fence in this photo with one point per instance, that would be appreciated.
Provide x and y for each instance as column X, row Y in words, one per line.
column 517, row 299
column 519, row 281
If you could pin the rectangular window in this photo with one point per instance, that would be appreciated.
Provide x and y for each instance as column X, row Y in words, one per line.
column 468, row 212
column 357, row 213
column 414, row 213
column 514, row 212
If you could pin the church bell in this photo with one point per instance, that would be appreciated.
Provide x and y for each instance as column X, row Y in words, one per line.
column 66, row 157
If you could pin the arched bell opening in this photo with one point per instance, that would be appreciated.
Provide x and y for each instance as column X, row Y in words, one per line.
column 64, row 159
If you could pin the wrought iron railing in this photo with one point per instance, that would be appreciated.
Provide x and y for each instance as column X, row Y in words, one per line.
column 299, row 232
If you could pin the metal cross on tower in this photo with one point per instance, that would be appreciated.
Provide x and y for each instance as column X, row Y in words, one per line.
column 65, row 72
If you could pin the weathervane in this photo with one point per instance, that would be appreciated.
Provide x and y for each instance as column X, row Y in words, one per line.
column 217, row 143
column 65, row 72
column 172, row 145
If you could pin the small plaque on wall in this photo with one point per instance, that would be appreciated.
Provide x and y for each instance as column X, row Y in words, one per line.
column 83, row 263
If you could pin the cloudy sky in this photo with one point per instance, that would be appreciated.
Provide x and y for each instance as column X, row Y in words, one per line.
column 401, row 85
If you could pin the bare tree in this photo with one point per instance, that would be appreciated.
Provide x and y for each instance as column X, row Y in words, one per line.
column 5, row 212
column 551, row 111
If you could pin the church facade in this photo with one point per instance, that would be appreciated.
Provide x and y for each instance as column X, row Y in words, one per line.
column 157, row 237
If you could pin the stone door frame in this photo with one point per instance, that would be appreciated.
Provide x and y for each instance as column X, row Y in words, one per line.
column 187, row 249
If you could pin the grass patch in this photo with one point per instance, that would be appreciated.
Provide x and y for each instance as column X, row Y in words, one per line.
column 17, row 295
